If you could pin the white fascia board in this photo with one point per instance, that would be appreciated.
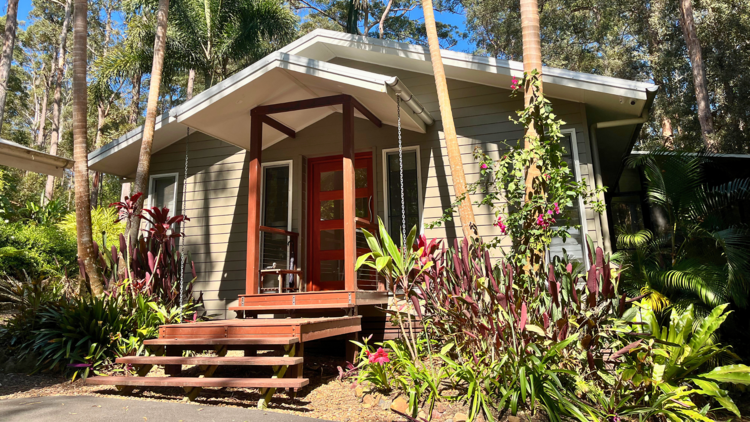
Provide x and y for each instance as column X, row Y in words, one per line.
column 127, row 139
column 342, row 74
column 579, row 80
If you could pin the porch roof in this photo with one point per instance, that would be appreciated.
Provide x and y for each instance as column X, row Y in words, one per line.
column 25, row 158
column 223, row 111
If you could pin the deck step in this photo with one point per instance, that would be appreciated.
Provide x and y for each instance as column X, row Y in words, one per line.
column 199, row 382
column 222, row 341
column 211, row 360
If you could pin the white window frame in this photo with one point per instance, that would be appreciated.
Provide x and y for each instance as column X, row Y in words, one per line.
column 385, row 153
column 151, row 193
column 581, row 205
column 263, row 167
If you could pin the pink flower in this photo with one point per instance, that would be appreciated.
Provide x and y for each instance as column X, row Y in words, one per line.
column 514, row 83
column 547, row 176
column 557, row 208
column 549, row 212
column 499, row 223
column 381, row 356
column 484, row 166
column 541, row 222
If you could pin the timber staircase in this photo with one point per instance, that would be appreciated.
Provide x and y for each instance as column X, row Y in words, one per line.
column 280, row 340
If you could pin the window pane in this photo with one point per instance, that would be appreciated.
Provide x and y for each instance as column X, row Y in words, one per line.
column 411, row 193
column 276, row 197
column 331, row 240
column 164, row 190
column 275, row 252
column 574, row 245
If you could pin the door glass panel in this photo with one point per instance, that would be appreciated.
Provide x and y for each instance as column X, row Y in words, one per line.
column 334, row 180
column 332, row 270
column 334, row 209
column 164, row 190
column 331, row 240
column 331, row 180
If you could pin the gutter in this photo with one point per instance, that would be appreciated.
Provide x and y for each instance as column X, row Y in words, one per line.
column 407, row 97
column 598, row 168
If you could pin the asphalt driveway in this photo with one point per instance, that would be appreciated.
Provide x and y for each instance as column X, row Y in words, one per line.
column 90, row 409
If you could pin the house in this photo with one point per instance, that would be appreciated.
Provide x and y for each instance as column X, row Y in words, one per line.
column 293, row 155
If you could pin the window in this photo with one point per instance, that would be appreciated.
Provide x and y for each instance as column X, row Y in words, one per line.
column 276, row 212
column 575, row 244
column 412, row 190
column 162, row 192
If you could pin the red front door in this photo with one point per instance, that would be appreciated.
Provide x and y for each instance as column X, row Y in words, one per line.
column 326, row 211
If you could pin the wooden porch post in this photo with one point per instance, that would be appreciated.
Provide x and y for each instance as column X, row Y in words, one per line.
column 253, row 204
column 350, row 233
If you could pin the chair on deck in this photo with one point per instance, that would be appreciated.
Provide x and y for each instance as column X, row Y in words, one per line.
column 289, row 279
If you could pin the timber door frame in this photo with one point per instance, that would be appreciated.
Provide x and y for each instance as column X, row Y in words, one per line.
column 314, row 254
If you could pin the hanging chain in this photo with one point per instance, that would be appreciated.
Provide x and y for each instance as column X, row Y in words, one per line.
column 401, row 174
column 184, row 223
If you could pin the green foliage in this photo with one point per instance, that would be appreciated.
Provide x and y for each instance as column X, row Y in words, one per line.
column 38, row 250
column 699, row 256
column 104, row 225
column 530, row 222
column 46, row 214
column 76, row 334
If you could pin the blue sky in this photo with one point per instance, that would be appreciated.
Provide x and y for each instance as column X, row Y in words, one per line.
column 24, row 7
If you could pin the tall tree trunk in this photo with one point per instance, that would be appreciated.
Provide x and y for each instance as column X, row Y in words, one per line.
column 80, row 150
column 532, row 60
column 11, row 25
column 144, row 159
column 699, row 75
column 381, row 24
column 135, row 102
column 102, row 109
column 667, row 134
column 465, row 210
column 190, row 83
column 43, row 115
column 58, row 72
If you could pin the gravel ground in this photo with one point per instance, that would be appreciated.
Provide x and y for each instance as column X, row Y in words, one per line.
column 325, row 397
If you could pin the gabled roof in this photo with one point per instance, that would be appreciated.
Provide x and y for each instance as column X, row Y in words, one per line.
column 25, row 158
column 613, row 94
column 301, row 70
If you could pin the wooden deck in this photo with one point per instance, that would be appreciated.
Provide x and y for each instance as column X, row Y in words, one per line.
column 282, row 303
column 285, row 336
column 281, row 331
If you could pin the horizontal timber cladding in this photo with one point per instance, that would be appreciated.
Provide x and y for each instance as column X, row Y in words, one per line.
column 217, row 182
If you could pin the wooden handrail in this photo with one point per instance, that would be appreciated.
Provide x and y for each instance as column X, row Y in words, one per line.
column 274, row 230
column 361, row 222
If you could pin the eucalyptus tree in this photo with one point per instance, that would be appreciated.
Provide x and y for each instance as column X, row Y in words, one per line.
column 9, row 41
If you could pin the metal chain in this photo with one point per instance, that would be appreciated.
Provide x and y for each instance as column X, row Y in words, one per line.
column 401, row 173
column 184, row 223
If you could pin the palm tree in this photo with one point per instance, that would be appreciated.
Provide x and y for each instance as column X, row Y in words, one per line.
column 532, row 61
column 11, row 24
column 465, row 210
column 80, row 149
column 144, row 158
column 215, row 38
column 699, row 255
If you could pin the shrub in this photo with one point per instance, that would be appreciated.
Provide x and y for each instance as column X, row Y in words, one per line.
column 39, row 250
column 104, row 225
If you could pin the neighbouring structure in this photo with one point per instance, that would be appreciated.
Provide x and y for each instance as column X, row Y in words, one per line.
column 291, row 157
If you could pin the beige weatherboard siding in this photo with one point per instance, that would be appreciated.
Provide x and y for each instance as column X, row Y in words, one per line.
column 217, row 184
